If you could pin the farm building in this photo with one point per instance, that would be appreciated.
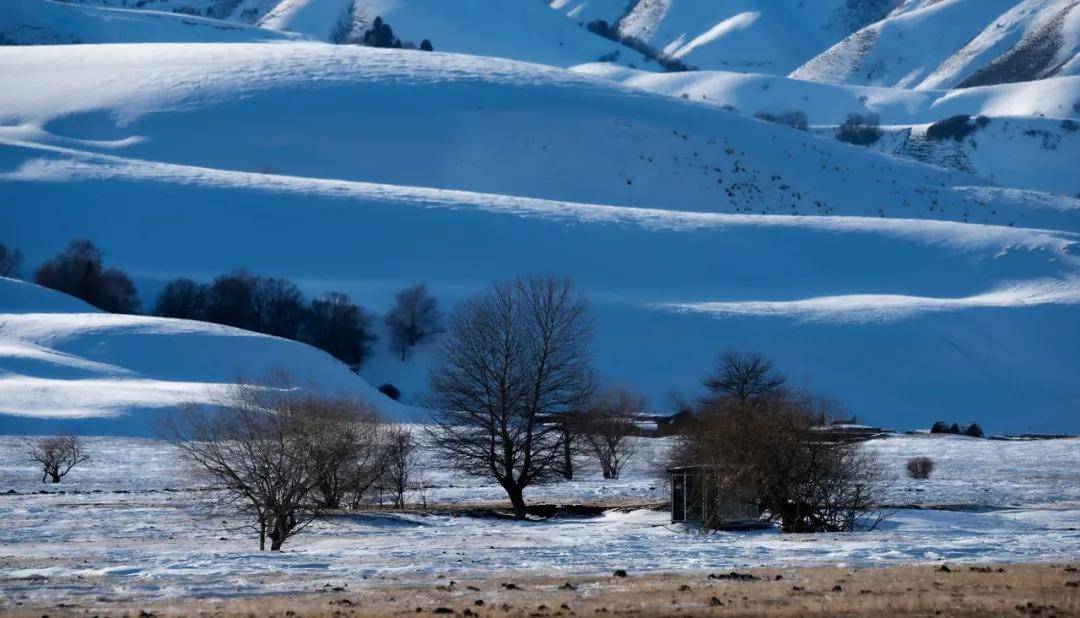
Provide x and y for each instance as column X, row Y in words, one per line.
column 698, row 497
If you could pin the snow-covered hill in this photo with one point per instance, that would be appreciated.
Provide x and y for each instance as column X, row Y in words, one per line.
column 338, row 153
column 469, row 123
column 64, row 365
column 45, row 22
column 762, row 36
column 1031, row 141
column 957, row 43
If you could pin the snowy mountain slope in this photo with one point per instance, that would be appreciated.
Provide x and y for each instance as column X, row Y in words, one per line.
column 64, row 364
column 904, row 321
column 321, row 20
column 365, row 114
column 1034, row 39
column 45, row 22
column 1018, row 148
column 518, row 29
column 768, row 36
column 956, row 43
column 825, row 103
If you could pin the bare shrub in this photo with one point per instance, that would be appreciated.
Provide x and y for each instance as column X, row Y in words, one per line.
column 514, row 359
column 765, row 450
column 920, row 467
column 608, row 426
column 795, row 119
column 860, row 129
column 57, row 455
column 955, row 127
column 272, row 451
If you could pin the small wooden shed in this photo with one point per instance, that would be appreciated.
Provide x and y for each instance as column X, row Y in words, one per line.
column 698, row 497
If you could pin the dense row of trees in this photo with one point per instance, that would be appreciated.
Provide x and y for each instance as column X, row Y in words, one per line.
column 269, row 305
column 276, row 306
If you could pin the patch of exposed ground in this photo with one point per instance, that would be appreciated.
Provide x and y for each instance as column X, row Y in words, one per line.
column 924, row 590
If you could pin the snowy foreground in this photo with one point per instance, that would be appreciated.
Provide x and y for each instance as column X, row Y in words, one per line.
column 134, row 524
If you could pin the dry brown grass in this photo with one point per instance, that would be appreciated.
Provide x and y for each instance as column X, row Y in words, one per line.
column 1001, row 590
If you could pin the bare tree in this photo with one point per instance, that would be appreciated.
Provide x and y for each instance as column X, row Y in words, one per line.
column 608, row 425
column 514, row 358
column 400, row 463
column 10, row 262
column 57, row 455
column 744, row 376
column 414, row 319
column 265, row 447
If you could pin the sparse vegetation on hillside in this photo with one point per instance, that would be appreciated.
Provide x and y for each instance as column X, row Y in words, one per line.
column 860, row 129
column 794, row 119
column 955, row 127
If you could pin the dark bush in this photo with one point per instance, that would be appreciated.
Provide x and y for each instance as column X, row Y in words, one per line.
column 426, row 45
column 794, row 119
column 601, row 27
column 182, row 298
column 973, row 430
column 954, row 127
column 920, row 467
column 78, row 271
column 278, row 307
column 230, row 300
column 390, row 391
column 10, row 262
column 381, row 35
column 860, row 129
column 337, row 325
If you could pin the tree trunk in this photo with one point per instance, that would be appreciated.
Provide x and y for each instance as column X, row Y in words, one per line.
column 262, row 535
column 518, row 501
column 568, row 459
column 55, row 477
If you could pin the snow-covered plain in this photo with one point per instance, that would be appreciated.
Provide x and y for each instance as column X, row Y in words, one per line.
column 134, row 523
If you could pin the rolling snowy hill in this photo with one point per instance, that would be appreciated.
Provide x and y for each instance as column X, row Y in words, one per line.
column 911, row 281
column 64, row 365
column 44, row 22
column 1032, row 140
column 338, row 154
